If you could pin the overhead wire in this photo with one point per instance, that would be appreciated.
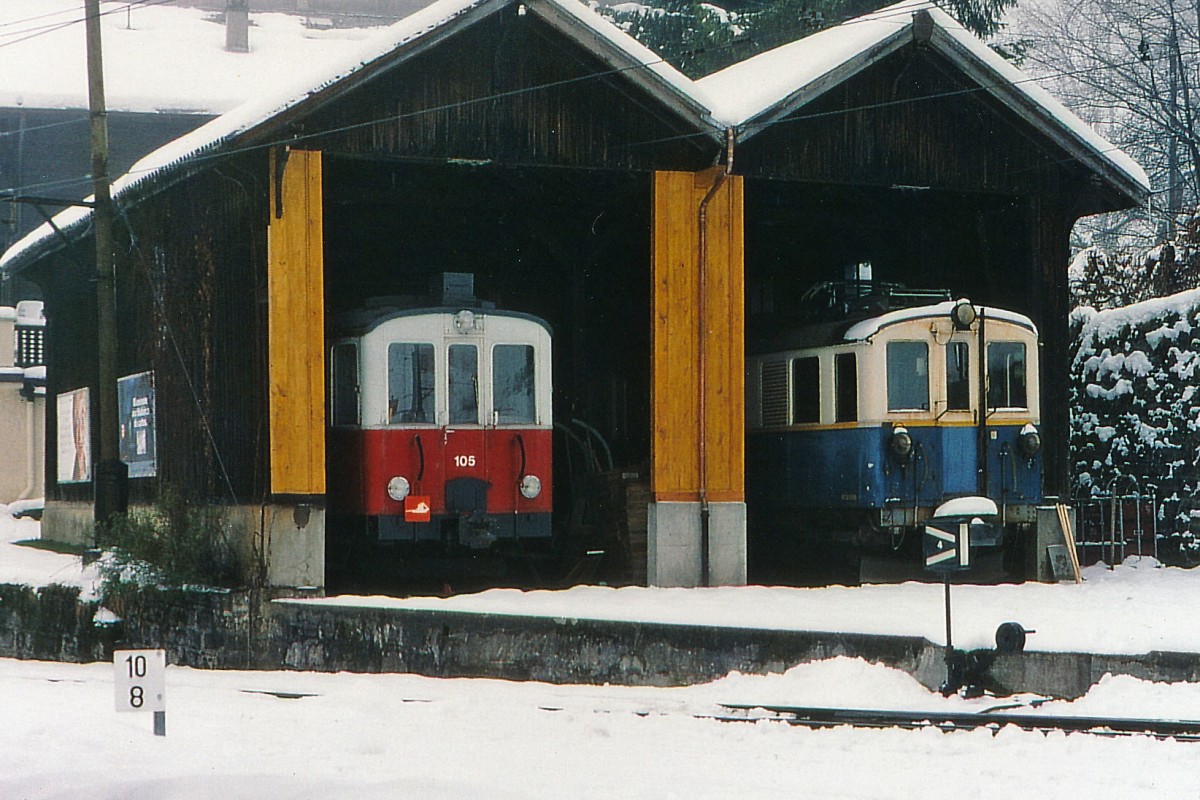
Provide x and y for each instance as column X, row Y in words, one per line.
column 903, row 13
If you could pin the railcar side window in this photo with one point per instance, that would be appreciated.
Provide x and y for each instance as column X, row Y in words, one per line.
column 464, row 384
column 806, row 390
column 774, row 393
column 513, row 397
column 345, row 384
column 410, row 382
column 908, row 376
column 958, row 377
column 845, row 387
column 1006, row 375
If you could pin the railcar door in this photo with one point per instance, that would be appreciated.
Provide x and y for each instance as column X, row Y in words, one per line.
column 466, row 447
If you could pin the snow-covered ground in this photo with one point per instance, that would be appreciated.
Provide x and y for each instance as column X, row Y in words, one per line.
column 403, row 736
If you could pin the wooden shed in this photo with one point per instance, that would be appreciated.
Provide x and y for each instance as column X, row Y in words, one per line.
column 580, row 179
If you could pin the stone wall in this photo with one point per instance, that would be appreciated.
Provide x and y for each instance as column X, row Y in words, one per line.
column 238, row 630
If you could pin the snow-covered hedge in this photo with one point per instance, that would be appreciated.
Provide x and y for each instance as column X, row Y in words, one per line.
column 1135, row 421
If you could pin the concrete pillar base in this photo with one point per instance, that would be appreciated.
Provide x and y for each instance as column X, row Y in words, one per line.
column 673, row 546
column 287, row 540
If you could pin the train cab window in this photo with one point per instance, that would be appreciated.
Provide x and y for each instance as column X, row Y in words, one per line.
column 774, row 393
column 344, row 395
column 908, row 376
column 410, row 382
column 464, row 384
column 513, row 398
column 806, row 390
column 1006, row 375
column 845, row 387
column 958, row 377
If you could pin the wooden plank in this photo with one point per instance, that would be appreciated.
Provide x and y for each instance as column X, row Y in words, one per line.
column 1064, row 521
column 296, row 331
column 676, row 333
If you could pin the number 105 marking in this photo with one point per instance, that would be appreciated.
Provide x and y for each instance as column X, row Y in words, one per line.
column 464, row 461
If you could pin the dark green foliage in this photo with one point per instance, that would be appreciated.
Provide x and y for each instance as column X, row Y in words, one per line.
column 1135, row 413
column 691, row 36
column 700, row 38
column 174, row 543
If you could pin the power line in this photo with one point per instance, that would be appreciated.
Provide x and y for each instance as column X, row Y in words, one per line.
column 291, row 140
column 42, row 30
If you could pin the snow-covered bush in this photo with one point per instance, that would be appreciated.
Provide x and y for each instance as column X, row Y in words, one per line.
column 1135, row 422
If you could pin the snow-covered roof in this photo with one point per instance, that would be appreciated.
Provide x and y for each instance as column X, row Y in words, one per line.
column 864, row 330
column 746, row 96
column 752, row 94
column 156, row 57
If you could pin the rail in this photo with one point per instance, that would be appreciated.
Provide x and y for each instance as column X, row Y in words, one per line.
column 1183, row 730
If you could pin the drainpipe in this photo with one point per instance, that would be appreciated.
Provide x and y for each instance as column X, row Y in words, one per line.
column 701, row 313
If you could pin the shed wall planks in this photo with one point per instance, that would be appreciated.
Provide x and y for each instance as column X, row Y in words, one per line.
column 296, row 327
column 676, row 383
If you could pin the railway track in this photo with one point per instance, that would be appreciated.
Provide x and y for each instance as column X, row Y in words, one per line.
column 1182, row 730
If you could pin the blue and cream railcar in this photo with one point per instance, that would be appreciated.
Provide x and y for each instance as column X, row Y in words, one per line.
column 860, row 430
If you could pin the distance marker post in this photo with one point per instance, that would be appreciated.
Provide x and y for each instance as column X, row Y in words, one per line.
column 139, row 681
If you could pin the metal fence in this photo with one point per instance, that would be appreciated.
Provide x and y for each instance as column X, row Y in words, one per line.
column 1111, row 527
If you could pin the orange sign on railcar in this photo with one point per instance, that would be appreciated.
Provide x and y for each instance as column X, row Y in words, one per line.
column 416, row 508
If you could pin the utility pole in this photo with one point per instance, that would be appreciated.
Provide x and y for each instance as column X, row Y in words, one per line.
column 110, row 473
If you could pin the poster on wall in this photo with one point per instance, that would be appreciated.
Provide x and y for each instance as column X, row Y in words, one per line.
column 74, row 437
column 135, row 402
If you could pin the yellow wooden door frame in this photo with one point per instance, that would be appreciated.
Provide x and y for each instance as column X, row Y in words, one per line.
column 296, row 323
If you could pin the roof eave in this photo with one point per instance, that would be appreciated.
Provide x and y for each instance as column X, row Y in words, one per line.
column 638, row 72
column 814, row 89
column 1041, row 119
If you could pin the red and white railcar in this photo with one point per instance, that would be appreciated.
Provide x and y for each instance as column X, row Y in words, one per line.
column 441, row 425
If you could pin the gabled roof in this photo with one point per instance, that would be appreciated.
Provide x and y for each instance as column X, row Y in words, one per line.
column 746, row 97
column 761, row 90
column 395, row 44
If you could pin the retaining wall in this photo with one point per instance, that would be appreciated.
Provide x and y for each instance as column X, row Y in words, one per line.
column 254, row 631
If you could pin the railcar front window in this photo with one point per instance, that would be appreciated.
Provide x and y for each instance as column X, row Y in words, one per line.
column 464, row 384
column 908, row 376
column 513, row 398
column 958, row 377
column 345, row 384
column 806, row 390
column 410, row 382
column 1006, row 375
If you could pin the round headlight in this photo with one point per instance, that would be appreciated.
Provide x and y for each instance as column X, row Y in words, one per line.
column 398, row 488
column 963, row 315
column 900, row 445
column 1030, row 441
column 531, row 486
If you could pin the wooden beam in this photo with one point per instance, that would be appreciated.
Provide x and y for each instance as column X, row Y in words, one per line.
column 296, row 324
column 676, row 385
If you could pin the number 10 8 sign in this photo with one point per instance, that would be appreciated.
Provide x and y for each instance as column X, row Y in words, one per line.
column 140, row 679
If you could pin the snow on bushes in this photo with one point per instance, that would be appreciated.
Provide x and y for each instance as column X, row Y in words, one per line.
column 1135, row 421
